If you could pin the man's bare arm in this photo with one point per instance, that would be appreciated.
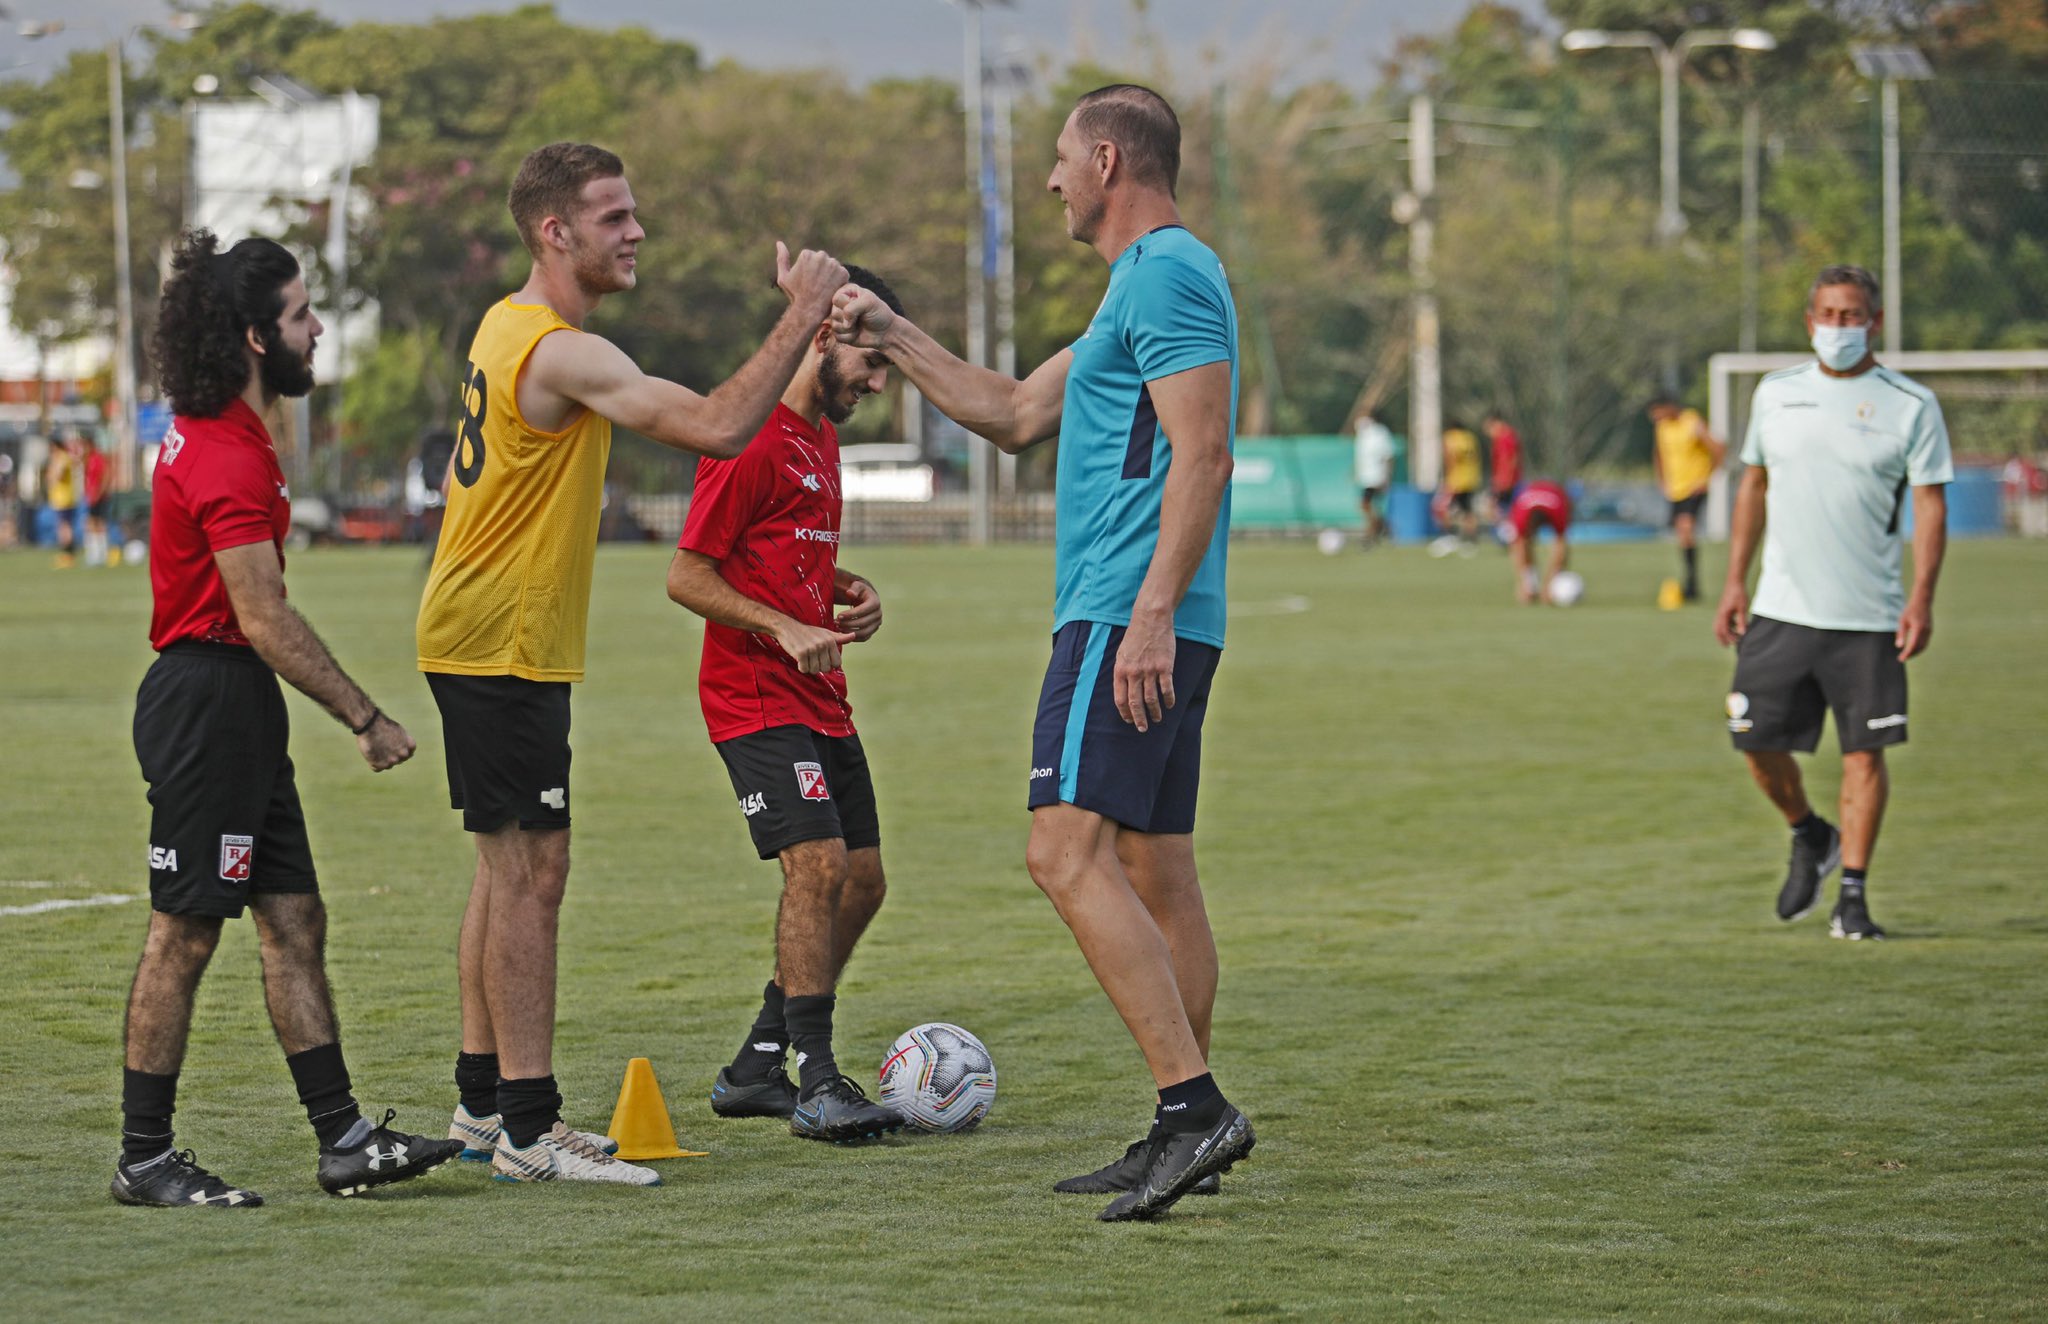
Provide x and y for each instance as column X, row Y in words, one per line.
column 1930, row 545
column 1194, row 412
column 1014, row 415
column 283, row 639
column 590, row 371
column 1731, row 618
column 694, row 582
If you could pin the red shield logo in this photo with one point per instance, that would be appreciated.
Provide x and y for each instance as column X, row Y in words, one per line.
column 810, row 782
column 235, row 855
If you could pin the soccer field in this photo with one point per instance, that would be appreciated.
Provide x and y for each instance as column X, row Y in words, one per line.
column 1503, row 992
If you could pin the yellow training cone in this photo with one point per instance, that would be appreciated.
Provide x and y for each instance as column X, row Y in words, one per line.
column 640, row 1123
column 1670, row 597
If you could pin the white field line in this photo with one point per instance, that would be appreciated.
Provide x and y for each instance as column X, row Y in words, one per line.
column 44, row 907
column 1288, row 606
column 35, row 884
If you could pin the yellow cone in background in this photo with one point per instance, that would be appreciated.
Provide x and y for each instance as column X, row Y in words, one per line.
column 1670, row 596
column 640, row 1123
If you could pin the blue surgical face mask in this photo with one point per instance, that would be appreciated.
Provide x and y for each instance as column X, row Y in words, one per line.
column 1841, row 347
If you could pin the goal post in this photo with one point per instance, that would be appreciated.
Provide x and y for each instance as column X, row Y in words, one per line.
column 1973, row 375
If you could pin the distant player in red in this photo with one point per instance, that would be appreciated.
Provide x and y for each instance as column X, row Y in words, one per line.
column 1541, row 504
column 226, row 833
column 1506, row 462
column 759, row 561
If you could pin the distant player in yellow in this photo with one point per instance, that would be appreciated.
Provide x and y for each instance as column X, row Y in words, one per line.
column 1463, row 477
column 1686, row 456
column 501, row 626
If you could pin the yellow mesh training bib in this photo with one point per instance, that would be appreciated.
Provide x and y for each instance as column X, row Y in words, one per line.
column 509, row 594
column 1688, row 462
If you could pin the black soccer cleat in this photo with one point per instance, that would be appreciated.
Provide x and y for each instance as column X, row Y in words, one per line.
column 1852, row 920
column 387, row 1156
column 175, row 1181
column 773, row 1097
column 1122, row 1174
column 1175, row 1161
column 841, row 1113
column 1809, row 868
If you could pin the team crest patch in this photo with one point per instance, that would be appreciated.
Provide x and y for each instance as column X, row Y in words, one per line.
column 236, row 853
column 810, row 781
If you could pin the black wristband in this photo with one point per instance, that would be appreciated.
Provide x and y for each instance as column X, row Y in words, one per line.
column 368, row 722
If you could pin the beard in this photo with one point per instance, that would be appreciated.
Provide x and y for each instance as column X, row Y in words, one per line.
column 1084, row 217
column 281, row 371
column 596, row 271
column 832, row 386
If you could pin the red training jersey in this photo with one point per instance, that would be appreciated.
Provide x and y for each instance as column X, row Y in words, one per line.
column 95, row 476
column 1543, row 498
column 770, row 518
column 217, row 485
column 1507, row 458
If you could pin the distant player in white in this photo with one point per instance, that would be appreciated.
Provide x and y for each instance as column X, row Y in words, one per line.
column 1373, row 466
column 1832, row 448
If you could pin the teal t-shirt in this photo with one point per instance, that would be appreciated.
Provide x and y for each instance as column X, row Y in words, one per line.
column 1841, row 452
column 1167, row 309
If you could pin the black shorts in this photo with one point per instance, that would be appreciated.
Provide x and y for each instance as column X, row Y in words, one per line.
column 507, row 744
column 1687, row 506
column 795, row 785
column 1084, row 754
column 224, row 821
column 1461, row 502
column 1788, row 676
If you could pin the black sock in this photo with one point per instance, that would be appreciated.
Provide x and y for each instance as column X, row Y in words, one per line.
column 147, row 1102
column 528, row 1109
column 322, row 1079
column 810, row 1032
column 762, row 1052
column 1192, row 1105
column 1692, row 572
column 476, row 1079
column 1812, row 829
column 1853, row 880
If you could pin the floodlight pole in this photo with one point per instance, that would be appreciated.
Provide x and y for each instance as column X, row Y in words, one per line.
column 128, row 467
column 973, row 61
column 1426, row 422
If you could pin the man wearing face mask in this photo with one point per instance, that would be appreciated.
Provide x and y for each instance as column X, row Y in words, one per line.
column 1832, row 448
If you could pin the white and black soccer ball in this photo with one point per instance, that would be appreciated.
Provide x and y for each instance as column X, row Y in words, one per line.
column 939, row 1077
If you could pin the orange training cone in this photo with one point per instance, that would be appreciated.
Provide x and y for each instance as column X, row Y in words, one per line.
column 640, row 1123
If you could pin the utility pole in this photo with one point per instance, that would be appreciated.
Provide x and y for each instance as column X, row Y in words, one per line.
column 128, row 465
column 1426, row 413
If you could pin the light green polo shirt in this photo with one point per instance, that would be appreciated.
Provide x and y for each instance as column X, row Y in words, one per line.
column 1841, row 452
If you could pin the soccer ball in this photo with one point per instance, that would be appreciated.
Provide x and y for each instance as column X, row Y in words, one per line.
column 1566, row 588
column 1330, row 541
column 939, row 1077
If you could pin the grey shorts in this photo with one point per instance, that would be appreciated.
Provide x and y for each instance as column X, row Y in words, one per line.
column 1787, row 678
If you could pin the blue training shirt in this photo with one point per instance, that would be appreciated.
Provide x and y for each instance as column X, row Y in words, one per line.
column 1168, row 309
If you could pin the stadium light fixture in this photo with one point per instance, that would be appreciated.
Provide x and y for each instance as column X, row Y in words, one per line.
column 1753, row 39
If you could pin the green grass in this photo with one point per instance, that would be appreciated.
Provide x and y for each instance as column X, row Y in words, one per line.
column 1502, row 989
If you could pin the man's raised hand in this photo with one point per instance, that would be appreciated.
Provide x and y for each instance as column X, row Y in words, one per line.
column 859, row 317
column 810, row 281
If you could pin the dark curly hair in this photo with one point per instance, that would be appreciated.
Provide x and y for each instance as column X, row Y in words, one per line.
column 211, row 299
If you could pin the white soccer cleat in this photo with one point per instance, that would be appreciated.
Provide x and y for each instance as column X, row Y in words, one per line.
column 565, row 1155
column 479, row 1136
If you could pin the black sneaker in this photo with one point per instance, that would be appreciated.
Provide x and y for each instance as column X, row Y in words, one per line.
column 1175, row 1161
column 839, row 1112
column 174, row 1181
column 1809, row 868
column 387, row 1156
column 1122, row 1174
column 773, row 1097
column 1852, row 920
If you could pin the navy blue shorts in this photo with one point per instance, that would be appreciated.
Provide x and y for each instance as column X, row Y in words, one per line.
column 1083, row 754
